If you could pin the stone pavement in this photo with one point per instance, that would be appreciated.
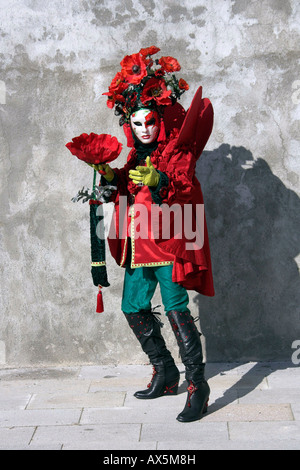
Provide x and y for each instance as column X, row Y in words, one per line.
column 252, row 406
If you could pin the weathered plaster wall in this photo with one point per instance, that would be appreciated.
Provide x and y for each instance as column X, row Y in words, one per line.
column 57, row 58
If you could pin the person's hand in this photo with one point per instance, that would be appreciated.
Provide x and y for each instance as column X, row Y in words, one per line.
column 105, row 170
column 145, row 174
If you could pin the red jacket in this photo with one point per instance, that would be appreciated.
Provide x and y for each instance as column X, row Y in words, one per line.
column 180, row 201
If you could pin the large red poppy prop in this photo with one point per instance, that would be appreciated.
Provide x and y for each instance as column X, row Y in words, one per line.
column 94, row 148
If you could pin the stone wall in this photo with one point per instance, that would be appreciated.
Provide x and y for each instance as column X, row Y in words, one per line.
column 57, row 58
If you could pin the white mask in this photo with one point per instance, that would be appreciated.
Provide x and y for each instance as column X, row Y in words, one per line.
column 145, row 125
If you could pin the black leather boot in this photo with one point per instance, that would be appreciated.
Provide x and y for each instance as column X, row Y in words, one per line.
column 190, row 349
column 165, row 378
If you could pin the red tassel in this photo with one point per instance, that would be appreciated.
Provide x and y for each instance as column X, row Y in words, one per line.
column 100, row 307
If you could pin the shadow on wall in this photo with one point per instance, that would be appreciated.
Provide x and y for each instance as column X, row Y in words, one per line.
column 254, row 230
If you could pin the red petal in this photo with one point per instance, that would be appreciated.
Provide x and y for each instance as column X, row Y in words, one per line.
column 94, row 148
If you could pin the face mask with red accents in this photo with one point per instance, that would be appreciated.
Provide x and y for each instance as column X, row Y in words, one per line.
column 145, row 125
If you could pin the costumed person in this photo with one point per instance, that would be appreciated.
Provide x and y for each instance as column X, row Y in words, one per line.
column 160, row 172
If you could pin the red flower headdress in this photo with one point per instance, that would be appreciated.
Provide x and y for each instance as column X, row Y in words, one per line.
column 144, row 82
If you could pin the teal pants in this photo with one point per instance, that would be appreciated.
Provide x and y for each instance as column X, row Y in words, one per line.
column 140, row 285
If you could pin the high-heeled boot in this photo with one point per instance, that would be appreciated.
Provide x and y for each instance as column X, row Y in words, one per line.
column 165, row 378
column 190, row 349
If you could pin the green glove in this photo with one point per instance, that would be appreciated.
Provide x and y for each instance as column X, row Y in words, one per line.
column 145, row 174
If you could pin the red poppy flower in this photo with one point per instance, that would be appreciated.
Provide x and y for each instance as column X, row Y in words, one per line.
column 133, row 68
column 169, row 64
column 155, row 89
column 94, row 148
column 149, row 51
column 115, row 90
column 118, row 84
column 183, row 85
column 110, row 100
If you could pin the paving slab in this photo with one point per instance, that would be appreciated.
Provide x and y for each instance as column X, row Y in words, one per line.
column 125, row 370
column 250, row 412
column 251, row 406
column 87, row 435
column 120, row 444
column 38, row 373
column 42, row 385
column 13, row 418
column 260, row 431
column 290, row 378
column 220, row 444
column 139, row 414
column 282, row 395
column 122, row 383
column 296, row 410
column 76, row 400
column 225, row 381
column 15, row 438
column 192, row 432
column 18, row 400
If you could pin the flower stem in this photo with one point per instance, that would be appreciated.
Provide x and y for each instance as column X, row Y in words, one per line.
column 94, row 182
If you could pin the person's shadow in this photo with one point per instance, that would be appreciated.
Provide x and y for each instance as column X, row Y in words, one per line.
column 254, row 232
